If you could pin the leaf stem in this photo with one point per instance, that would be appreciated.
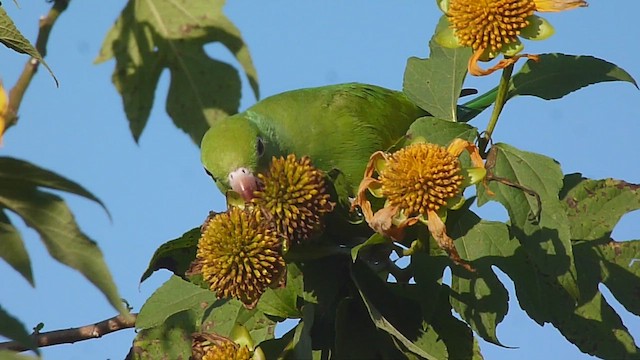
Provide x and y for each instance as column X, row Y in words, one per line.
column 501, row 99
column 17, row 92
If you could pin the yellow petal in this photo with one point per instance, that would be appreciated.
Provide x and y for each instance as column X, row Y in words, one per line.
column 4, row 106
column 558, row 5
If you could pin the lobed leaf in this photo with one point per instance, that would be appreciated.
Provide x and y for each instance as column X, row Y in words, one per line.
column 546, row 240
column 435, row 83
column 150, row 36
column 480, row 298
column 440, row 131
column 169, row 340
column 594, row 207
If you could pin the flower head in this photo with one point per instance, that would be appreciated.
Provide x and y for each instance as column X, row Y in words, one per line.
column 240, row 255
column 419, row 182
column 215, row 347
column 491, row 27
column 293, row 193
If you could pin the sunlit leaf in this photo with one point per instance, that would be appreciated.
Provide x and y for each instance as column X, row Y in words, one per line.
column 439, row 131
column 169, row 340
column 556, row 75
column 546, row 239
column 174, row 296
column 434, row 83
column 594, row 207
column 11, row 328
column 12, row 38
column 150, row 36
column 12, row 249
column 175, row 255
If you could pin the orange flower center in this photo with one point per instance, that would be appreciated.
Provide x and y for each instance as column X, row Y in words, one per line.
column 489, row 24
column 420, row 177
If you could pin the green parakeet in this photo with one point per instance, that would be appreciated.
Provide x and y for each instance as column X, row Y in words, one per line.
column 337, row 126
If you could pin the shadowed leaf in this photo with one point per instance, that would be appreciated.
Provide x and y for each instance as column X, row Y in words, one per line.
column 175, row 255
column 51, row 218
column 150, row 36
column 12, row 328
column 12, row 38
column 12, row 249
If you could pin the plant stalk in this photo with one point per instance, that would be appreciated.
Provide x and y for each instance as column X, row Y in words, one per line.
column 501, row 99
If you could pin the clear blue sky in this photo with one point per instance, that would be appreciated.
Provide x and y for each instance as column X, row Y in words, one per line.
column 157, row 189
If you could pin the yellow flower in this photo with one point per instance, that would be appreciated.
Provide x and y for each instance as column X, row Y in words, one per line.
column 419, row 182
column 240, row 256
column 215, row 347
column 4, row 107
column 491, row 27
column 293, row 194
column 227, row 351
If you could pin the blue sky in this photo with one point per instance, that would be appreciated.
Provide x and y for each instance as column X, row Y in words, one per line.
column 156, row 190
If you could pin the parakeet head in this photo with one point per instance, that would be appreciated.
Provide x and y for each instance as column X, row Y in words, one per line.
column 231, row 151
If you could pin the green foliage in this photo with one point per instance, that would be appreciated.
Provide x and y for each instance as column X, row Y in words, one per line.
column 150, row 36
column 346, row 292
column 12, row 38
column 47, row 214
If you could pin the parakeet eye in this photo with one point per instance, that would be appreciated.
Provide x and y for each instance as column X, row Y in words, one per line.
column 210, row 174
column 260, row 147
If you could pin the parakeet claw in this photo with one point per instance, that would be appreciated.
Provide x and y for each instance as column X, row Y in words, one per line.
column 243, row 182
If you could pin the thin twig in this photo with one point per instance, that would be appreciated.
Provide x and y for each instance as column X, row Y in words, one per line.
column 73, row 335
column 17, row 92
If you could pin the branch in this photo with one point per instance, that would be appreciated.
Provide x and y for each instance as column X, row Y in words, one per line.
column 73, row 335
column 17, row 92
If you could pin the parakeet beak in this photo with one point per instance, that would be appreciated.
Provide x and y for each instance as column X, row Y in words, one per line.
column 243, row 182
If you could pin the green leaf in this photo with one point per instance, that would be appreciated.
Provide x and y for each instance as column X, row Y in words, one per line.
column 395, row 315
column 10, row 355
column 441, row 132
column 434, row 299
column 11, row 328
column 222, row 317
column 375, row 239
column 51, row 218
column 174, row 296
column 546, row 240
column 283, row 302
column 594, row 326
column 594, row 207
column 150, row 36
column 175, row 255
column 12, row 249
column 480, row 298
column 619, row 273
column 357, row 337
column 25, row 173
column 169, row 340
column 556, row 75
column 434, row 83
column 12, row 38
